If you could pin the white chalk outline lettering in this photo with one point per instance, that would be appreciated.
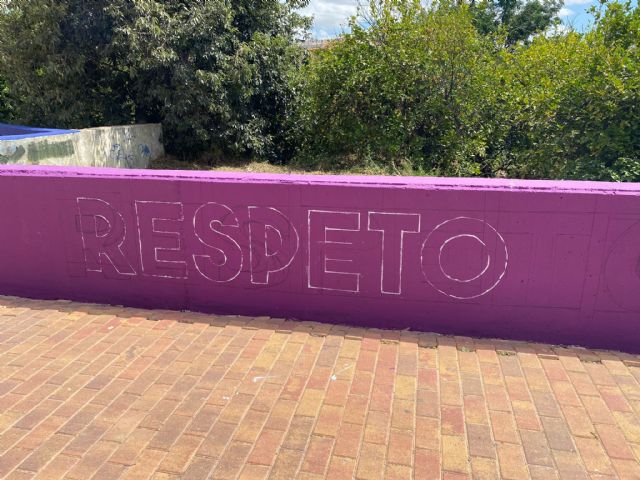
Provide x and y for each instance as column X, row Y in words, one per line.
column 295, row 252
column 457, row 297
column 124, row 236
column 326, row 241
column 402, row 233
column 212, row 227
column 153, row 230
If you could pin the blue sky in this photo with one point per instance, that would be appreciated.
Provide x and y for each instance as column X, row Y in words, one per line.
column 330, row 16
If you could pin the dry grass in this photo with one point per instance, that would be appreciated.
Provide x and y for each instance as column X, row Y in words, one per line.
column 172, row 163
column 217, row 163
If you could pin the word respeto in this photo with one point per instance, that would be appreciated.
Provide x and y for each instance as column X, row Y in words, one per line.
column 221, row 244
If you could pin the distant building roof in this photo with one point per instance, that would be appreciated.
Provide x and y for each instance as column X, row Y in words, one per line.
column 315, row 43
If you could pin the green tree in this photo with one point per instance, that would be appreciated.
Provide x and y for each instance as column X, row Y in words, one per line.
column 214, row 72
column 516, row 20
column 56, row 58
column 404, row 90
column 571, row 103
column 5, row 106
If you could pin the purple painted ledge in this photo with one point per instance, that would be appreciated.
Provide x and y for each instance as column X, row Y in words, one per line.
column 533, row 260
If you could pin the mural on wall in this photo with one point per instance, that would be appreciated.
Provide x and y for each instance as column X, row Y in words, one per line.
column 547, row 261
column 274, row 242
column 461, row 258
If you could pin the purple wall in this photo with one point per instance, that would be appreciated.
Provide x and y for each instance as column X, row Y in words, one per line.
column 533, row 260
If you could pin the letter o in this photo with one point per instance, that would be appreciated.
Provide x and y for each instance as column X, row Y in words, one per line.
column 477, row 285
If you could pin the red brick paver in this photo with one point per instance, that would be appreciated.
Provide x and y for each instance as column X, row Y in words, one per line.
column 96, row 392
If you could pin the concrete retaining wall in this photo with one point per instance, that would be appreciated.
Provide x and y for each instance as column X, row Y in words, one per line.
column 129, row 146
column 533, row 260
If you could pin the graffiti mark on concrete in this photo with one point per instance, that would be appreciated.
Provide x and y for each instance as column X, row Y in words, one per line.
column 144, row 150
column 43, row 150
column 137, row 156
column 11, row 153
column 118, row 156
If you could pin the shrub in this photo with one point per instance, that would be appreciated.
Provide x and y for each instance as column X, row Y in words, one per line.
column 406, row 88
column 213, row 72
column 517, row 20
column 572, row 103
column 5, row 106
column 416, row 89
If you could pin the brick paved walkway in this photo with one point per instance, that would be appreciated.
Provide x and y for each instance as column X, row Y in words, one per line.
column 104, row 392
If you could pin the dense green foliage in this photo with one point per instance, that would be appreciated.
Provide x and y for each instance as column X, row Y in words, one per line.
column 517, row 20
column 5, row 106
column 445, row 88
column 214, row 72
column 408, row 89
column 59, row 63
column 420, row 90
column 571, row 108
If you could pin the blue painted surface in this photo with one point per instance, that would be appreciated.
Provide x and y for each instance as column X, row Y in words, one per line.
column 16, row 132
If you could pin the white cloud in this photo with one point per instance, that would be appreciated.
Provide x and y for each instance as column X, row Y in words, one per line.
column 577, row 2
column 330, row 17
column 565, row 12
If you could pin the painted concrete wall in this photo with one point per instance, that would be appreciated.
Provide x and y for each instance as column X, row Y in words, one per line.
column 534, row 260
column 129, row 146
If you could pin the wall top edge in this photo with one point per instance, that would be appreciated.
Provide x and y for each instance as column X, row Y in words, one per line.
column 122, row 127
column 36, row 132
column 32, row 132
column 431, row 183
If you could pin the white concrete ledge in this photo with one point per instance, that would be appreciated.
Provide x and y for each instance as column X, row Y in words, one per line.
column 126, row 146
